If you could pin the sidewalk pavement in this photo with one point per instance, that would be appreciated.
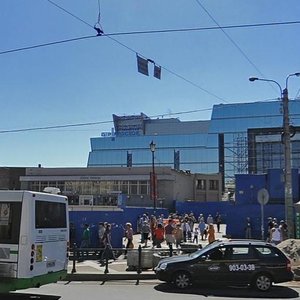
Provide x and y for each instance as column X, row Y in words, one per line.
column 91, row 270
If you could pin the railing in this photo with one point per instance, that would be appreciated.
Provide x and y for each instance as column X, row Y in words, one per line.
column 105, row 254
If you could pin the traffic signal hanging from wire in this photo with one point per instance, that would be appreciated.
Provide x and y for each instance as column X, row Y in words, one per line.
column 142, row 65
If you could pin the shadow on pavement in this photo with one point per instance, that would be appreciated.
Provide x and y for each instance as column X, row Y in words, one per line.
column 25, row 296
column 276, row 292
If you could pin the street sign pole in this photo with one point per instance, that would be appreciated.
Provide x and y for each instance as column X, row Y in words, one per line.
column 262, row 199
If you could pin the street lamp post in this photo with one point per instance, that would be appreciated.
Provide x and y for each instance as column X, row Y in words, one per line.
column 153, row 176
column 288, row 192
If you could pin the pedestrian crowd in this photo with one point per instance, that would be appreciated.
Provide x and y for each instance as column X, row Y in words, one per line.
column 104, row 239
column 176, row 229
column 276, row 231
column 173, row 230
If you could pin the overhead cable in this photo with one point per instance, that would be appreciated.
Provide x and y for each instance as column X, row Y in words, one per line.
column 132, row 50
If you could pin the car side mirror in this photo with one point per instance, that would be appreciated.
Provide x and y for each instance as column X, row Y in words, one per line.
column 203, row 257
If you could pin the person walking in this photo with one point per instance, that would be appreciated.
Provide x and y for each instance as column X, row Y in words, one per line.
column 196, row 234
column 178, row 235
column 248, row 228
column 210, row 220
column 185, row 229
column 145, row 230
column 101, row 230
column 276, row 236
column 169, row 228
column 202, row 229
column 153, row 225
column 211, row 233
column 284, row 230
column 218, row 220
column 86, row 240
column 129, row 237
column 159, row 233
column 108, row 252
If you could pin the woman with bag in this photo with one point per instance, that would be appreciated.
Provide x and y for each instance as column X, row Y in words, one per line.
column 108, row 252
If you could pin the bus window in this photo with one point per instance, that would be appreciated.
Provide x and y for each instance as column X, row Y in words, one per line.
column 10, row 216
column 50, row 215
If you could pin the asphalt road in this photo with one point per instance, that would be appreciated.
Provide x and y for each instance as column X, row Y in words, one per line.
column 116, row 290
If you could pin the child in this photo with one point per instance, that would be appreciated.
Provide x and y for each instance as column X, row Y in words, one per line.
column 196, row 233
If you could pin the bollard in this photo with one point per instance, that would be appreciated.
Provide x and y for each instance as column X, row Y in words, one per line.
column 106, row 265
column 139, row 268
column 171, row 249
column 74, row 259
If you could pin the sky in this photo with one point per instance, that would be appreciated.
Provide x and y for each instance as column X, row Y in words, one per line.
column 88, row 80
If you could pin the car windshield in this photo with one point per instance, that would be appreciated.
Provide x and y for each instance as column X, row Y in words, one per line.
column 203, row 250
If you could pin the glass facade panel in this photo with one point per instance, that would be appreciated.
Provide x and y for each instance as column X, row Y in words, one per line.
column 199, row 152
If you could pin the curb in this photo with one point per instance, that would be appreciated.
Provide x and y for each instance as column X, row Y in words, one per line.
column 107, row 277
column 135, row 276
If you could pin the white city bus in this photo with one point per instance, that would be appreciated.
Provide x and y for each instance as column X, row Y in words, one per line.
column 34, row 234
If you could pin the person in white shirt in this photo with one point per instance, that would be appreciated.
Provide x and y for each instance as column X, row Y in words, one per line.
column 276, row 236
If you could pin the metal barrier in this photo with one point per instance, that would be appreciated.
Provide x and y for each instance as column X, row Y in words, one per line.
column 105, row 254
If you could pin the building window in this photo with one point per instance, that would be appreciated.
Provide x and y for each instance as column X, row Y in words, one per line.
column 144, row 187
column 133, row 185
column 34, row 186
column 124, row 187
column 201, row 184
column 214, row 185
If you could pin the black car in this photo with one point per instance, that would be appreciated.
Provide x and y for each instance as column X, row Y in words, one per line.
column 232, row 262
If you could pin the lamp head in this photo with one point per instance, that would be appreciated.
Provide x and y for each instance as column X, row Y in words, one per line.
column 152, row 146
column 253, row 79
column 297, row 74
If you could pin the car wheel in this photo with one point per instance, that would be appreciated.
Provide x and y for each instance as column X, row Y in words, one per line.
column 262, row 282
column 182, row 280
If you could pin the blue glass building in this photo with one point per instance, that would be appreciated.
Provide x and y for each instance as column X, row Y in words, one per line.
column 239, row 138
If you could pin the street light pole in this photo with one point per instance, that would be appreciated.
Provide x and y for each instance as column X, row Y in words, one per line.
column 153, row 176
column 288, row 192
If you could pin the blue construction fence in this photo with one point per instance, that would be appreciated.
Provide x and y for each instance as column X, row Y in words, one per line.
column 248, row 185
column 234, row 215
column 117, row 219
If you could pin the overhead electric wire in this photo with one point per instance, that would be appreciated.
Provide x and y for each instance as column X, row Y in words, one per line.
column 232, row 41
column 243, row 26
column 93, row 123
column 107, row 122
column 229, row 37
column 149, row 32
column 48, row 44
column 69, row 13
column 132, row 50
column 146, row 32
column 54, row 127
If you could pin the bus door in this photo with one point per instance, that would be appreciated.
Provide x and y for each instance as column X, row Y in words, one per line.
column 10, row 216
